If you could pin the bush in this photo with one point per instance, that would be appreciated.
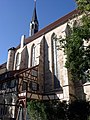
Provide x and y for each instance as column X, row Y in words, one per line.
column 56, row 110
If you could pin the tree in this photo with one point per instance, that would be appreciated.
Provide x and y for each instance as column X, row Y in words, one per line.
column 56, row 110
column 77, row 52
column 83, row 5
column 36, row 110
column 79, row 110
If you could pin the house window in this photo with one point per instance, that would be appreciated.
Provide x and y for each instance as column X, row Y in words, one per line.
column 17, row 60
column 1, row 111
column 1, row 86
column 4, row 85
column 13, row 83
column 33, row 55
column 34, row 73
column 9, row 84
column 33, row 86
column 24, row 86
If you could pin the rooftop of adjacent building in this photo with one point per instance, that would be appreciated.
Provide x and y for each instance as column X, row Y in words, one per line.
column 3, row 65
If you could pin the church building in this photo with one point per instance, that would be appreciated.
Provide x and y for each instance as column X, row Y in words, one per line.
column 35, row 69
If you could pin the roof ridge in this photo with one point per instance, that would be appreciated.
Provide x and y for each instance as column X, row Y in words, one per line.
column 50, row 27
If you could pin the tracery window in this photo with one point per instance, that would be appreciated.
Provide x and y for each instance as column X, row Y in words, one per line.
column 33, row 55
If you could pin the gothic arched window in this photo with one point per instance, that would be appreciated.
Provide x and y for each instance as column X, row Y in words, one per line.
column 54, row 50
column 55, row 60
column 68, row 30
column 17, row 61
column 33, row 55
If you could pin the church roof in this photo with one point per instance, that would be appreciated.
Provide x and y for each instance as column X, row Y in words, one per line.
column 50, row 27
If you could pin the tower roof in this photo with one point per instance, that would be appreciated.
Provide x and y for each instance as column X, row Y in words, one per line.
column 34, row 17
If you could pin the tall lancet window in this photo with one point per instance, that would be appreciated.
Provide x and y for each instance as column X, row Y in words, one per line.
column 68, row 30
column 55, row 60
column 17, row 61
column 54, row 53
column 33, row 55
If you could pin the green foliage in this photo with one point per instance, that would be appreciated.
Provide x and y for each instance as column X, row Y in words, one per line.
column 78, row 55
column 36, row 110
column 83, row 5
column 47, row 110
column 79, row 110
column 56, row 110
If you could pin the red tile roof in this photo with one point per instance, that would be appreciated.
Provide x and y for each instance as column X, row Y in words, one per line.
column 3, row 65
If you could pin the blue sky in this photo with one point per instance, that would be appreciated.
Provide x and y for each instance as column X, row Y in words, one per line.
column 15, row 16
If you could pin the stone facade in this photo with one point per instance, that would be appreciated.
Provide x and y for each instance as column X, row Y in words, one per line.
column 21, row 57
column 40, row 52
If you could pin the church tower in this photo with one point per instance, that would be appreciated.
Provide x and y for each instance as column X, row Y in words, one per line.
column 34, row 22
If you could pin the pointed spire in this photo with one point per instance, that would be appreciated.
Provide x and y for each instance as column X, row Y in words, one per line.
column 34, row 22
column 34, row 17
